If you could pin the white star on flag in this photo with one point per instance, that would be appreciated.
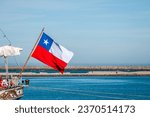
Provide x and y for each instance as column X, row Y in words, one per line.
column 46, row 42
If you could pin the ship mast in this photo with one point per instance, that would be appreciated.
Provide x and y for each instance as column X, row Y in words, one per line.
column 5, row 58
column 6, row 67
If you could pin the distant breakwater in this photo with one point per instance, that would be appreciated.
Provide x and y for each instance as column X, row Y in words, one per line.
column 39, row 71
column 140, row 68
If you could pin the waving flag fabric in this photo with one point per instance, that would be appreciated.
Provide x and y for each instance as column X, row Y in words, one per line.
column 51, row 53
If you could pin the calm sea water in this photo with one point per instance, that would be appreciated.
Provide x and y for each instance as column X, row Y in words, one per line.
column 88, row 88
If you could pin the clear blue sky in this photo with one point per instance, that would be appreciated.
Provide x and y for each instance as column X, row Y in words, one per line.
column 99, row 32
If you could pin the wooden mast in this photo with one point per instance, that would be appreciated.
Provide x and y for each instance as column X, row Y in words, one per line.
column 30, row 54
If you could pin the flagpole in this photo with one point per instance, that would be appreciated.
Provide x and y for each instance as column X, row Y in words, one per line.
column 30, row 54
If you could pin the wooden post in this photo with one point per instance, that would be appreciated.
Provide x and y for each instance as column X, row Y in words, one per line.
column 30, row 54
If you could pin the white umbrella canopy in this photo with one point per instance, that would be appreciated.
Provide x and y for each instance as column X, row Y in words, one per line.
column 9, row 51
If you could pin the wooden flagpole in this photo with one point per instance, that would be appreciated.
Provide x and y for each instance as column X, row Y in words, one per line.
column 30, row 54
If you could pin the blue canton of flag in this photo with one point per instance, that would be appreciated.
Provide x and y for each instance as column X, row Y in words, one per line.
column 46, row 42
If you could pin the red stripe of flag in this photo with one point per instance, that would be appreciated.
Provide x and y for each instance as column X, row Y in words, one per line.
column 49, row 59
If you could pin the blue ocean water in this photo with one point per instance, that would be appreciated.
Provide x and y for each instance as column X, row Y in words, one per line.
column 88, row 88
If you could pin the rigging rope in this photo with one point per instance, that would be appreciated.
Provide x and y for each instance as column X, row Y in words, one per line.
column 4, row 36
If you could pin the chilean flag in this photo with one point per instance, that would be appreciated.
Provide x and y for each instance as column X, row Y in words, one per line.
column 51, row 53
